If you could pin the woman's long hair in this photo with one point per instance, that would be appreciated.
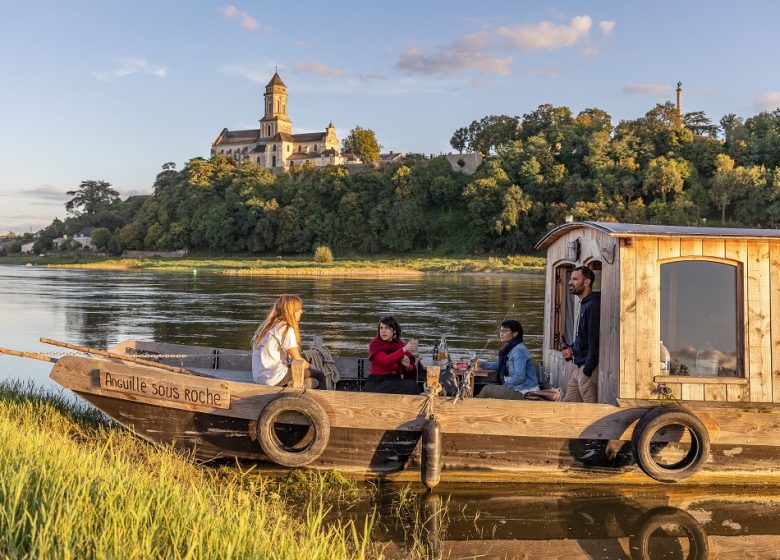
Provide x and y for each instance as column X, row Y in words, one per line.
column 283, row 311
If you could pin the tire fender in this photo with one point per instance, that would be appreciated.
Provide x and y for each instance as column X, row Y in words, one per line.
column 274, row 448
column 656, row 419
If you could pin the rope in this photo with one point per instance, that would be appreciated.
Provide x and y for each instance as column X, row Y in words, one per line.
column 145, row 355
column 665, row 393
column 430, row 413
column 139, row 355
column 320, row 358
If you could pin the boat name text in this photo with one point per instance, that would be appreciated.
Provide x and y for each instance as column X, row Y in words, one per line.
column 202, row 395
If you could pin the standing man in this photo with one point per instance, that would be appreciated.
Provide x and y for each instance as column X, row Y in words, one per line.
column 583, row 386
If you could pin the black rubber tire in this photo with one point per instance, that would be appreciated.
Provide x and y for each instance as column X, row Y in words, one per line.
column 650, row 522
column 660, row 417
column 274, row 448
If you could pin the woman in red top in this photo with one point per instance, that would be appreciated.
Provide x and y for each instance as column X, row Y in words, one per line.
column 393, row 366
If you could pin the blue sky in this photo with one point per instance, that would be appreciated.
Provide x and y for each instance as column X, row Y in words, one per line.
column 111, row 89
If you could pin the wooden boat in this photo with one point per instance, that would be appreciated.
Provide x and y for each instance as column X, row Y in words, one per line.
column 709, row 413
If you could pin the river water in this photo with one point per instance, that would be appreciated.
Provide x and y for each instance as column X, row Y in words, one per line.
column 98, row 309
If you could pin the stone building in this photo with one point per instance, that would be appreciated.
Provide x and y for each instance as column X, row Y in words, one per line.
column 273, row 145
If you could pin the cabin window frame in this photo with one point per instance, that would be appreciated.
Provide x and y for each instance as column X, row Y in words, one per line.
column 563, row 301
column 739, row 302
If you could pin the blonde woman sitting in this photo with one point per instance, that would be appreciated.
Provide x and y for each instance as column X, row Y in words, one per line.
column 276, row 343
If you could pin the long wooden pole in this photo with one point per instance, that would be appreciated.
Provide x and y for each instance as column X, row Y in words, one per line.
column 33, row 355
column 123, row 357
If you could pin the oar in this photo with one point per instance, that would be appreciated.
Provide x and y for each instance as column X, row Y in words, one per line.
column 33, row 355
column 123, row 357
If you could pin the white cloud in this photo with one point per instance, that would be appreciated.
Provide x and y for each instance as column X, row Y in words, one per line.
column 244, row 19
column 546, row 35
column 450, row 61
column 768, row 101
column 648, row 89
column 259, row 76
column 318, row 69
column 607, row 26
column 46, row 192
column 546, row 71
column 129, row 66
column 481, row 51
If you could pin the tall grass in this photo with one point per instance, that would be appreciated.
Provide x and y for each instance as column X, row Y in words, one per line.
column 74, row 485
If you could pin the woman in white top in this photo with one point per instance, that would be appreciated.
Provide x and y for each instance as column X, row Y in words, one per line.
column 275, row 343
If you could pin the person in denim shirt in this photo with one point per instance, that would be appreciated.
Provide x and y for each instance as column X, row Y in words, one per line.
column 515, row 366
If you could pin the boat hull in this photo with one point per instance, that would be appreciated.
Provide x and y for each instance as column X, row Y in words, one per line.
column 378, row 436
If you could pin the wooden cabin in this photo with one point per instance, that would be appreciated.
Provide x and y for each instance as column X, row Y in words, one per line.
column 707, row 294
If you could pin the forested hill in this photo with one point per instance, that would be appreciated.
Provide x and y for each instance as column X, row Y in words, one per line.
column 539, row 168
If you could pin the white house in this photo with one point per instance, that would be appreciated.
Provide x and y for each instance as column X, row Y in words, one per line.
column 84, row 238
column 27, row 248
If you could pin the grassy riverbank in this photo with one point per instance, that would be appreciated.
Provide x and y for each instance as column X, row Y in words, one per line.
column 304, row 265
column 73, row 485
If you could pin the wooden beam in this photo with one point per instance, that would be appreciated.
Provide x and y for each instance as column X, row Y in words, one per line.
column 33, row 355
column 296, row 371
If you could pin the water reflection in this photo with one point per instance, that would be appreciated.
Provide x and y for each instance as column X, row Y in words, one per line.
column 545, row 522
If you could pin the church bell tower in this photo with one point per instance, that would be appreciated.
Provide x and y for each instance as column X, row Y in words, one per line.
column 275, row 117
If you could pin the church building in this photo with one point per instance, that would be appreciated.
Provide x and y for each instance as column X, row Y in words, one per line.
column 273, row 145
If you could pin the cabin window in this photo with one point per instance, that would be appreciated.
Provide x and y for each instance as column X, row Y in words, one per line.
column 700, row 318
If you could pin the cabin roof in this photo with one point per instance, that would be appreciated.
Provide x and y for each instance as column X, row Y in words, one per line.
column 652, row 230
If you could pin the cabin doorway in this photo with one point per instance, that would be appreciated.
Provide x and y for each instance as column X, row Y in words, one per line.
column 567, row 305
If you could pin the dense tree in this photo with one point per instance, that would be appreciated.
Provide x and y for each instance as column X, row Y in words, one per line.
column 101, row 238
column 91, row 197
column 724, row 184
column 460, row 139
column 362, row 143
column 698, row 123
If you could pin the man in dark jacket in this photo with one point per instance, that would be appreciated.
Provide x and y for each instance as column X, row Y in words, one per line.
column 583, row 385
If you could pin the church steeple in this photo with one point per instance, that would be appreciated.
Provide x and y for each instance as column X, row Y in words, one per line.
column 275, row 117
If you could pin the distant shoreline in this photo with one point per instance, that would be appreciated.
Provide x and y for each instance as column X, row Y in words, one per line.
column 381, row 266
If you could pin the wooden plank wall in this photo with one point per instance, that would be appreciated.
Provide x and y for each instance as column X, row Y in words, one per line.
column 640, row 314
column 609, row 347
column 609, row 357
column 648, row 336
column 774, row 275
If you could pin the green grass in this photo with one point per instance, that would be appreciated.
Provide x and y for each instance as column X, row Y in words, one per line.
column 74, row 485
column 302, row 264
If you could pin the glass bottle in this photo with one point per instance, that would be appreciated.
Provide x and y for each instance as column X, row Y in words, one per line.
column 707, row 360
column 442, row 349
column 666, row 360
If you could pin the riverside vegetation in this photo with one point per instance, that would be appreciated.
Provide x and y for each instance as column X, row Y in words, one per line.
column 659, row 168
column 390, row 265
column 75, row 485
